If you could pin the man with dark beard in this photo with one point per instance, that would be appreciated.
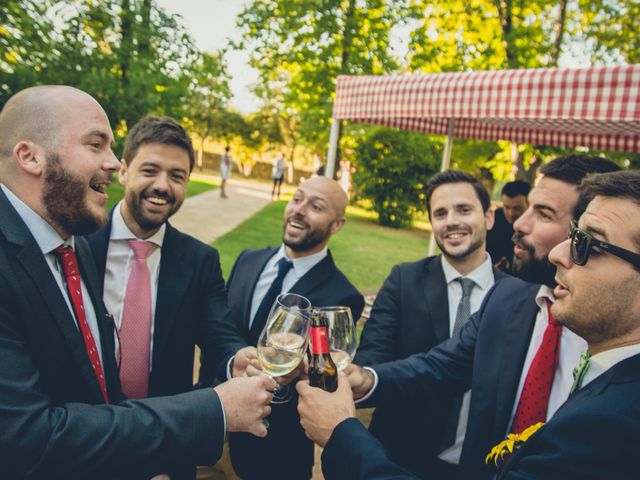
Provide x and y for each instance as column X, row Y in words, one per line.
column 186, row 301
column 515, row 357
column 62, row 412
column 421, row 305
column 302, row 265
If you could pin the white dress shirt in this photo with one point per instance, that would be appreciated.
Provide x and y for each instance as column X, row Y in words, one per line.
column 48, row 240
column 571, row 347
column 484, row 280
column 603, row 361
column 270, row 271
column 120, row 259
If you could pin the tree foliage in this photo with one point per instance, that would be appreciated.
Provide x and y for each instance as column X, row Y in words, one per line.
column 394, row 169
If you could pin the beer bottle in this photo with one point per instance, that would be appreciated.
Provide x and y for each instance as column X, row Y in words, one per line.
column 322, row 371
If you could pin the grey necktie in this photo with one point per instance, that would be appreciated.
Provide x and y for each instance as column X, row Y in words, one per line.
column 464, row 307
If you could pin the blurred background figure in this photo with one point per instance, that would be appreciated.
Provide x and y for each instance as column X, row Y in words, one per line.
column 225, row 171
column 277, row 173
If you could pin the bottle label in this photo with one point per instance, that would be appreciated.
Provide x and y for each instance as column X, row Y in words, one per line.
column 319, row 340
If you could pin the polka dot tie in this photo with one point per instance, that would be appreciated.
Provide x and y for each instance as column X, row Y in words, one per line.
column 67, row 258
column 135, row 329
column 534, row 399
column 580, row 370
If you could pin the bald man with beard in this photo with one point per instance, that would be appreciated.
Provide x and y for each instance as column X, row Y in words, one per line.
column 315, row 213
column 62, row 413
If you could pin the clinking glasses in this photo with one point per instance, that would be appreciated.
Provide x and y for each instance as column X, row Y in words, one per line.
column 582, row 244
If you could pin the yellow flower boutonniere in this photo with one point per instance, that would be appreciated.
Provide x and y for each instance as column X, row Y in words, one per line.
column 511, row 443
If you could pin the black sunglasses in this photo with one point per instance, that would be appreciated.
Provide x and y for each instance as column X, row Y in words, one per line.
column 582, row 244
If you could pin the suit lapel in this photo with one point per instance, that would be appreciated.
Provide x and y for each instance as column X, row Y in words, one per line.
column 437, row 297
column 519, row 322
column 100, row 240
column 173, row 281
column 318, row 274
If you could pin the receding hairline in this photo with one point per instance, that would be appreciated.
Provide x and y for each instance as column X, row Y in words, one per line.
column 334, row 193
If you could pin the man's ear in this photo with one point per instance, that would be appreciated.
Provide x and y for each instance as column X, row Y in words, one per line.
column 122, row 173
column 489, row 218
column 29, row 157
column 337, row 225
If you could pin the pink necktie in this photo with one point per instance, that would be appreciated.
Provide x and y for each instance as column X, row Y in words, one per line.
column 135, row 330
column 69, row 262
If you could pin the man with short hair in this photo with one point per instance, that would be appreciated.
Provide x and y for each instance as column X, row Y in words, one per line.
column 302, row 265
column 499, row 242
column 62, row 413
column 184, row 295
column 512, row 353
column 420, row 305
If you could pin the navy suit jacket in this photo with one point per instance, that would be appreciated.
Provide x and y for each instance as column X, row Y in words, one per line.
column 323, row 285
column 410, row 315
column 191, row 308
column 595, row 435
column 53, row 421
column 487, row 356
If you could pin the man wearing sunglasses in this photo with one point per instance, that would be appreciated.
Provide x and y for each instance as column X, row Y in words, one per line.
column 596, row 433
column 513, row 355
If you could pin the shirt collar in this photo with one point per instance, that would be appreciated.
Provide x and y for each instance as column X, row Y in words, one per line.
column 45, row 235
column 603, row 361
column 482, row 275
column 544, row 295
column 120, row 231
column 303, row 264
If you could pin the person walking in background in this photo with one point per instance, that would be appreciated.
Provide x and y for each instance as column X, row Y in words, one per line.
column 225, row 171
column 179, row 282
column 277, row 173
column 499, row 238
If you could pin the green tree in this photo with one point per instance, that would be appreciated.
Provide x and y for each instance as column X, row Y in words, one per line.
column 394, row 169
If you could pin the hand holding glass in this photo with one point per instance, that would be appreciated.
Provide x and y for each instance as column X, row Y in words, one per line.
column 342, row 335
column 283, row 342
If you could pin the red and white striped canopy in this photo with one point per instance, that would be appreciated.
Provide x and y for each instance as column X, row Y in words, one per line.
column 595, row 107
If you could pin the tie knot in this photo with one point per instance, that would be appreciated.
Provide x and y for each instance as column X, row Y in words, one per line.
column 64, row 251
column 141, row 248
column 467, row 285
column 284, row 266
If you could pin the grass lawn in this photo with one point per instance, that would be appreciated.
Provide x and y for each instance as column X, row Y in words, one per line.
column 116, row 190
column 363, row 250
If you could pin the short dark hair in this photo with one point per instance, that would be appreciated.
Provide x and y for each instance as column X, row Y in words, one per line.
column 621, row 184
column 515, row 188
column 573, row 168
column 153, row 129
column 457, row 176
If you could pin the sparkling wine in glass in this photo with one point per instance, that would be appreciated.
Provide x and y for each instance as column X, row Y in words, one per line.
column 342, row 335
column 283, row 341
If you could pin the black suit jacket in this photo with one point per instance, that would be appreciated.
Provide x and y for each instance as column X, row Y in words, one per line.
column 53, row 419
column 594, row 435
column 285, row 452
column 499, row 243
column 191, row 308
column 410, row 315
column 487, row 356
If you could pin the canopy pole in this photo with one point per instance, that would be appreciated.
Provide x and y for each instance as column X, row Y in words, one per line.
column 333, row 148
column 446, row 161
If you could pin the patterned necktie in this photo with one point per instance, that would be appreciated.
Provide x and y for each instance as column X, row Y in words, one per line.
column 67, row 258
column 260, row 318
column 464, row 306
column 534, row 399
column 580, row 370
column 135, row 329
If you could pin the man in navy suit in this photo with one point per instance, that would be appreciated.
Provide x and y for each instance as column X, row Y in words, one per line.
column 500, row 348
column 187, row 296
column 421, row 305
column 312, row 216
column 62, row 412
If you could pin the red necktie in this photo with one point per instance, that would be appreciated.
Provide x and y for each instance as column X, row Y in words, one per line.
column 69, row 262
column 135, row 331
column 534, row 399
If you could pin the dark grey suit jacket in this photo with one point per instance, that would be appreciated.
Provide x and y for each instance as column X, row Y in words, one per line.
column 53, row 420
column 487, row 356
column 323, row 285
column 411, row 315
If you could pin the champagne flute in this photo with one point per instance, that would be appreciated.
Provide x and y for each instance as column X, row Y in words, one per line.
column 342, row 335
column 283, row 341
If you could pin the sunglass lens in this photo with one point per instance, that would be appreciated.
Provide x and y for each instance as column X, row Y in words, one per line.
column 579, row 247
